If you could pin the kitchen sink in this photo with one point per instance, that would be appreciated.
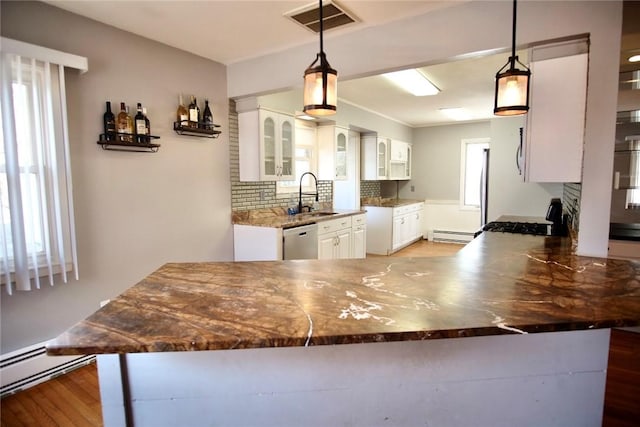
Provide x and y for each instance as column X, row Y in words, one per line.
column 316, row 214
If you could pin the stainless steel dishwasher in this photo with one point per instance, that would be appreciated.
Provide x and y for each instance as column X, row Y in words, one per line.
column 301, row 242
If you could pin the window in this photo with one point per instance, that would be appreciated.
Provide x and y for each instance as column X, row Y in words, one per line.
column 471, row 168
column 305, row 161
column 37, row 235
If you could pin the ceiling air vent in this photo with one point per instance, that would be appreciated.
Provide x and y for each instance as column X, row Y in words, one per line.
column 333, row 16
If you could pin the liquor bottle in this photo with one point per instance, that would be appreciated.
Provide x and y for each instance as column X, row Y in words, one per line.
column 147, row 126
column 194, row 113
column 182, row 115
column 109, row 121
column 123, row 124
column 140, row 125
column 129, row 131
column 207, row 116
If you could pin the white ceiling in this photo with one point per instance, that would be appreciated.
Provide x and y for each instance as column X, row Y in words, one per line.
column 229, row 31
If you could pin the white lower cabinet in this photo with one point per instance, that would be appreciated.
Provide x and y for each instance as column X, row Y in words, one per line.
column 334, row 238
column 252, row 243
column 359, row 236
column 390, row 229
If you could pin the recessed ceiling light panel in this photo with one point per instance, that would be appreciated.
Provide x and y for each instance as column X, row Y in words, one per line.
column 457, row 114
column 413, row 81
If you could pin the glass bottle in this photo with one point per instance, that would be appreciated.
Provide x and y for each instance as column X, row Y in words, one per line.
column 147, row 125
column 129, row 130
column 140, row 125
column 109, row 122
column 182, row 115
column 194, row 113
column 207, row 116
column 122, row 123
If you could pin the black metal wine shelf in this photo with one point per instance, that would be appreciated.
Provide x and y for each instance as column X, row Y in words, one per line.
column 201, row 130
column 120, row 143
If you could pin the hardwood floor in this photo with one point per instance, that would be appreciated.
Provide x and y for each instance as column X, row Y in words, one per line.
column 621, row 407
column 425, row 248
column 69, row 400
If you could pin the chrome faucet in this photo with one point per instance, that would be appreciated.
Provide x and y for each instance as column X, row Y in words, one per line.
column 300, row 193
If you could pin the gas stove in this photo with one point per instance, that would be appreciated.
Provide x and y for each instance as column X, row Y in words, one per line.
column 519, row 228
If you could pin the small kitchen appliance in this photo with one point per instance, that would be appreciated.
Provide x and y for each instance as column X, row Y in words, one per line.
column 554, row 214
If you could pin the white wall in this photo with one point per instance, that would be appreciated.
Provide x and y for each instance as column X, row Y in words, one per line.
column 474, row 27
column 436, row 160
column 508, row 194
column 134, row 211
column 436, row 174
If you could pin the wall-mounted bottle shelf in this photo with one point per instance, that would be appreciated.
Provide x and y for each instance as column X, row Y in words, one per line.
column 197, row 131
column 120, row 143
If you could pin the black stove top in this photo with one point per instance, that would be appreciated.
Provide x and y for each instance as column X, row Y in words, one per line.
column 518, row 228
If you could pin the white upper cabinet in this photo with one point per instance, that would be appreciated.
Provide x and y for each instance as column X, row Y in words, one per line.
column 555, row 122
column 267, row 146
column 375, row 158
column 332, row 152
column 398, row 151
column 399, row 160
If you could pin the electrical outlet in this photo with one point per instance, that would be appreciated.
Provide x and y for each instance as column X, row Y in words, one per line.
column 413, row 188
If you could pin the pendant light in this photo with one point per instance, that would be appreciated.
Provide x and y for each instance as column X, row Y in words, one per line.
column 320, row 84
column 512, row 85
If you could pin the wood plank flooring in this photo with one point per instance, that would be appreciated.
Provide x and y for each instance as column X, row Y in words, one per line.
column 622, row 395
column 426, row 248
column 73, row 399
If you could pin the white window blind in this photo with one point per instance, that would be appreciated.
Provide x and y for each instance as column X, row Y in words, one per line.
column 37, row 233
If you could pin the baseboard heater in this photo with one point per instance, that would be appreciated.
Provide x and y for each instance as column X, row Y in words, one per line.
column 449, row 236
column 29, row 366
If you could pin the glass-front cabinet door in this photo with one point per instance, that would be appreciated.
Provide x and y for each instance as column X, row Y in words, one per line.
column 341, row 153
column 287, row 147
column 277, row 148
column 269, row 146
column 381, row 161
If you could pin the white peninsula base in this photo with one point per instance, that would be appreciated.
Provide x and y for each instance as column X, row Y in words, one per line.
column 546, row 379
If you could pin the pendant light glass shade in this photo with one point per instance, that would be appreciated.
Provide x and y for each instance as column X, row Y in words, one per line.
column 512, row 91
column 320, row 93
column 320, row 88
column 512, row 85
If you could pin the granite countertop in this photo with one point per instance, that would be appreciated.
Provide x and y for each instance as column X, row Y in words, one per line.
column 278, row 218
column 387, row 202
column 497, row 284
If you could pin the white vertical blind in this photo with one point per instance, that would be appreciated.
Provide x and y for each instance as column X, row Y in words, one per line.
column 37, row 222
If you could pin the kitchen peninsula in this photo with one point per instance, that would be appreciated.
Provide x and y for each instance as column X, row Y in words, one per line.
column 252, row 343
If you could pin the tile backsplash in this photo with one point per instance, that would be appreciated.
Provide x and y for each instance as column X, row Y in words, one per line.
column 369, row 189
column 571, row 195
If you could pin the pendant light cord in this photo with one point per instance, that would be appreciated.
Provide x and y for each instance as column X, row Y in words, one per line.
column 513, row 36
column 321, row 44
